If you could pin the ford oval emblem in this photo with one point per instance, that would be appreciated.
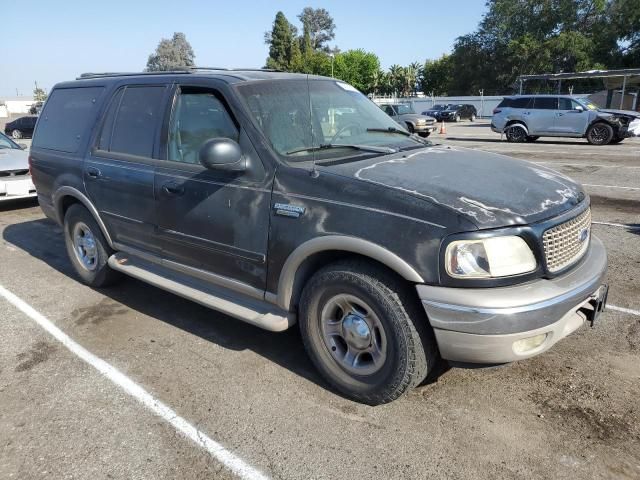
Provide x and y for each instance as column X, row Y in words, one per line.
column 583, row 235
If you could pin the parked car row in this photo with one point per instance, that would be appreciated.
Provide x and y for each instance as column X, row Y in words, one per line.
column 452, row 112
column 15, row 179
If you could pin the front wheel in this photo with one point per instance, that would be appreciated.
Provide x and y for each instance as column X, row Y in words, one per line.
column 17, row 134
column 457, row 118
column 473, row 117
column 364, row 333
column 600, row 133
column 410, row 128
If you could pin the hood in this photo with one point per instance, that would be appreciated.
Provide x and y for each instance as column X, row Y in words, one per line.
column 414, row 117
column 12, row 159
column 490, row 190
column 629, row 113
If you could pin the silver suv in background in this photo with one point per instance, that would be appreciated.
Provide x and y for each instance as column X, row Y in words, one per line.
column 526, row 118
column 405, row 115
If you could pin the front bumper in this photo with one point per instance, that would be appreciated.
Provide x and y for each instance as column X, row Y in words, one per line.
column 481, row 325
column 423, row 128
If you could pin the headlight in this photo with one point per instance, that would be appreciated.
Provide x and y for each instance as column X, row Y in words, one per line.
column 489, row 257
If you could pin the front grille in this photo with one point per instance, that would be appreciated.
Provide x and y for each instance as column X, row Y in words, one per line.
column 566, row 243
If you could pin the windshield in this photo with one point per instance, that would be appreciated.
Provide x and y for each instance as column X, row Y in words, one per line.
column 451, row 106
column 404, row 108
column 296, row 115
column 6, row 142
column 437, row 107
column 588, row 104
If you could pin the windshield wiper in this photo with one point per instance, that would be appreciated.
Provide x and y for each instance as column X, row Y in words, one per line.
column 389, row 130
column 328, row 146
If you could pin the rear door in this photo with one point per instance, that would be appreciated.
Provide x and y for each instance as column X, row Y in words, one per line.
column 540, row 119
column 212, row 220
column 119, row 170
column 569, row 119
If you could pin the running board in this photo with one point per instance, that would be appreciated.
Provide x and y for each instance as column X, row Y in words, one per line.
column 256, row 312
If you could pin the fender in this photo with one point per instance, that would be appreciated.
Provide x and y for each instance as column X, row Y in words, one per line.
column 67, row 191
column 341, row 243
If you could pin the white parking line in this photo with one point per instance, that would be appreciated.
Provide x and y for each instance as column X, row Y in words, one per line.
column 610, row 186
column 613, row 224
column 234, row 463
column 624, row 310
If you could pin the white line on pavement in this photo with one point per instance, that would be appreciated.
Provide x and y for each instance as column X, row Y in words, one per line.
column 234, row 463
column 624, row 310
column 561, row 163
column 613, row 224
column 610, row 186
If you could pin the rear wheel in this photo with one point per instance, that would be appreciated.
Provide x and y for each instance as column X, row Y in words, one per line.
column 600, row 133
column 87, row 248
column 17, row 134
column 364, row 333
column 515, row 133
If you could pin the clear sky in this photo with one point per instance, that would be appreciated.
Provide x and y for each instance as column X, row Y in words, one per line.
column 47, row 41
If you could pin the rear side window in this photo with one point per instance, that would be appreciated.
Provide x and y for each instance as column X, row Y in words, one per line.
column 67, row 118
column 131, row 121
column 522, row 102
column 545, row 103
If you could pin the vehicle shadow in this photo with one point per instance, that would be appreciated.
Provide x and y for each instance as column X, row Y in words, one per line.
column 43, row 239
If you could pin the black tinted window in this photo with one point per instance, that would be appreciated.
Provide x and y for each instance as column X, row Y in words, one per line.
column 136, row 121
column 104, row 139
column 545, row 103
column 506, row 102
column 522, row 102
column 197, row 118
column 67, row 118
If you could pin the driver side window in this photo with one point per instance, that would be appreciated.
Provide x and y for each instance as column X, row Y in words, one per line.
column 198, row 116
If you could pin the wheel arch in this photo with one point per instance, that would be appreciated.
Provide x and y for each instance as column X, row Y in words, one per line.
column 66, row 196
column 307, row 258
column 521, row 123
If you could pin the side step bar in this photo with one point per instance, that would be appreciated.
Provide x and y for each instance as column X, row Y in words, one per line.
column 259, row 313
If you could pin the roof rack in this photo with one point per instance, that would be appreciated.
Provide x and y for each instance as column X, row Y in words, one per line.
column 172, row 72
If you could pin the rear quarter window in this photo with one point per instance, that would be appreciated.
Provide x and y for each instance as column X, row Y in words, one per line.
column 67, row 118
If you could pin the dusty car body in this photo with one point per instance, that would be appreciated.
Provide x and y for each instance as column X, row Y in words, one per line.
column 15, row 179
column 279, row 198
column 528, row 117
column 404, row 114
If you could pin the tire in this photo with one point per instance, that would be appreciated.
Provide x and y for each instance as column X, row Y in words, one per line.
column 600, row 133
column 532, row 138
column 516, row 133
column 410, row 128
column 616, row 140
column 456, row 118
column 397, row 331
column 473, row 117
column 84, row 240
column 16, row 134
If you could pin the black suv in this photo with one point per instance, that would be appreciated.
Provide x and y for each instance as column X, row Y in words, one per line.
column 21, row 127
column 279, row 198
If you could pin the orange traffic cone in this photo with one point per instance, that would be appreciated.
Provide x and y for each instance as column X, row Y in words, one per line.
column 443, row 129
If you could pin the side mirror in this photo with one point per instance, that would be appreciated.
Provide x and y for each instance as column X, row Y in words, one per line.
column 222, row 154
column 23, row 146
column 579, row 108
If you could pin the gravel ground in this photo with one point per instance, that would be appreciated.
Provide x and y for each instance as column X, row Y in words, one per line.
column 570, row 413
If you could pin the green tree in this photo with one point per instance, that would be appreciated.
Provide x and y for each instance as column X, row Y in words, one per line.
column 358, row 68
column 436, row 76
column 171, row 54
column 39, row 95
column 280, row 43
column 320, row 25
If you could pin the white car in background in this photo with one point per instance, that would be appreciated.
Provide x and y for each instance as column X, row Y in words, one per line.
column 15, row 179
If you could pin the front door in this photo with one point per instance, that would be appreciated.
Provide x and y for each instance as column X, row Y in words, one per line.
column 571, row 118
column 118, row 173
column 213, row 220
